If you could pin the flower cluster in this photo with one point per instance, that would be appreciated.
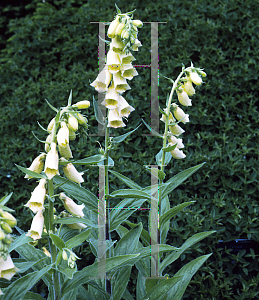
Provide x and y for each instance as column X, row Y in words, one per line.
column 61, row 130
column 184, row 89
column 7, row 267
column 113, row 78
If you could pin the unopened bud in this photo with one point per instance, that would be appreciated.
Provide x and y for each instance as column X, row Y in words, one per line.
column 137, row 23
column 82, row 104
column 6, row 227
column 9, row 219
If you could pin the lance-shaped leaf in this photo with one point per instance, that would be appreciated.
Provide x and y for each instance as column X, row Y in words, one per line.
column 120, row 280
column 90, row 272
column 78, row 193
column 33, row 296
column 51, row 106
column 21, row 286
column 161, row 289
column 4, row 200
column 168, row 157
column 152, row 130
column 90, row 160
column 175, row 181
column 69, row 102
column 131, row 193
column 57, row 241
column 31, row 173
column 172, row 212
column 78, row 239
column 190, row 242
column 130, row 183
column 169, row 148
column 120, row 138
column 98, row 113
column 186, row 273
column 73, row 220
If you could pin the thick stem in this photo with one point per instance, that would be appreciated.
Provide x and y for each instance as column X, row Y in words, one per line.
column 55, row 274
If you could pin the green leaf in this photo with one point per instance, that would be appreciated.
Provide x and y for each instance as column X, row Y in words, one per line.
column 5, row 199
column 162, row 288
column 73, row 220
column 31, row 173
column 145, row 236
column 57, row 241
column 175, row 181
column 156, row 172
column 52, row 107
column 186, row 274
column 78, row 239
column 152, row 130
column 128, row 243
column 172, row 212
column 78, row 192
column 117, row 8
column 131, row 193
column 123, row 210
column 69, row 99
column 23, row 266
column 190, row 242
column 98, row 113
column 120, row 281
column 90, row 160
column 21, row 286
column 89, row 272
column 146, row 251
column 162, row 111
column 33, row 296
column 120, row 138
column 165, row 206
column 169, row 148
column 94, row 244
column 130, row 183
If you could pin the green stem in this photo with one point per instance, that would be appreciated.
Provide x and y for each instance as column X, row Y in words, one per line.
column 55, row 274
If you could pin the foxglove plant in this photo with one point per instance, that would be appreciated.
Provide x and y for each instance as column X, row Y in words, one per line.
column 53, row 260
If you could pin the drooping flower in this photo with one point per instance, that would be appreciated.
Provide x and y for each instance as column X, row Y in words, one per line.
column 173, row 140
column 113, row 62
column 188, row 87
column 180, row 114
column 36, row 201
column 126, row 58
column 7, row 268
column 183, row 97
column 63, row 135
column 111, row 98
column 114, row 120
column 128, row 71
column 37, row 224
column 177, row 153
column 72, row 122
column 51, row 162
column 65, row 151
column 195, row 78
column 113, row 26
column 37, row 165
column 176, row 129
column 120, row 83
column 102, row 81
column 82, row 104
column 71, row 206
column 71, row 173
column 124, row 108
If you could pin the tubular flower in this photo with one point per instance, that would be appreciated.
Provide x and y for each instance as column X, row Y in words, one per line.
column 125, row 58
column 183, row 97
column 7, row 268
column 124, row 108
column 113, row 26
column 176, row 129
column 128, row 71
column 195, row 78
column 51, row 163
column 111, row 98
column 37, row 165
column 173, row 140
column 71, row 173
column 171, row 117
column 48, row 142
column 50, row 126
column 102, row 81
column 176, row 153
column 117, row 45
column 36, row 226
column 188, row 87
column 71, row 206
column 63, row 135
column 65, row 151
column 113, row 62
column 120, row 83
column 114, row 120
column 72, row 122
column 36, row 201
column 180, row 114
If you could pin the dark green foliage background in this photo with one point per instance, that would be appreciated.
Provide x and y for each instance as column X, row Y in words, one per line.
column 49, row 48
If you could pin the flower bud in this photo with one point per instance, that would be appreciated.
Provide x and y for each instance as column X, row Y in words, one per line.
column 124, row 34
column 71, row 206
column 51, row 125
column 81, row 119
column 9, row 219
column 119, row 29
column 36, row 226
column 78, row 226
column 176, row 129
column 37, row 165
column 188, row 87
column 48, row 142
column 2, row 234
column 72, row 122
column 6, row 227
column 63, row 135
column 51, row 163
column 46, row 251
column 137, row 23
column 71, row 173
column 64, row 255
column 82, row 104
